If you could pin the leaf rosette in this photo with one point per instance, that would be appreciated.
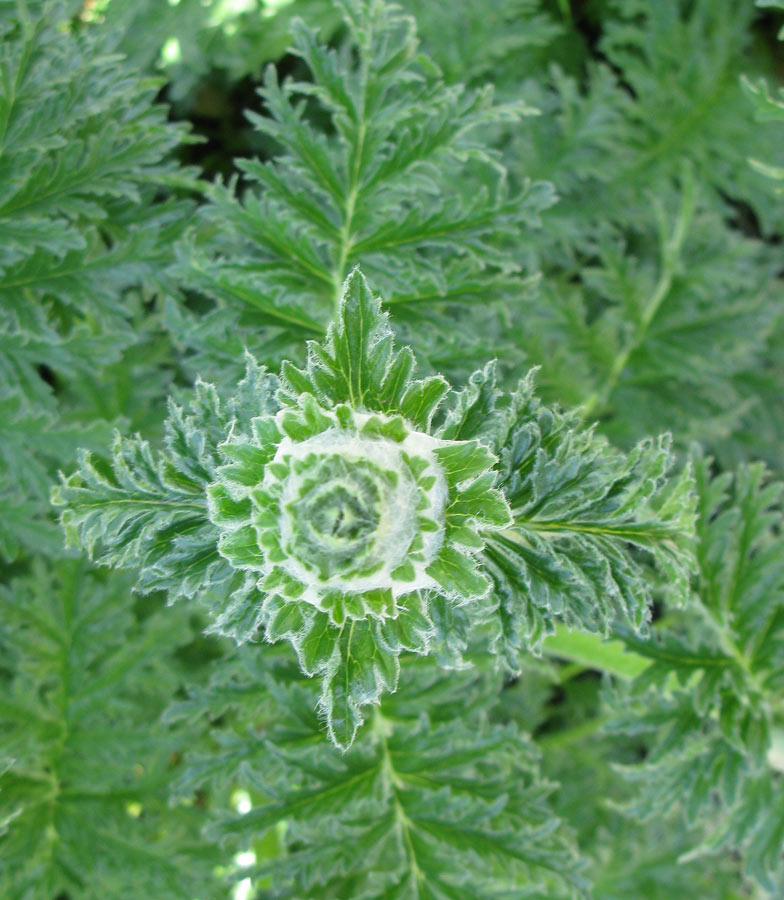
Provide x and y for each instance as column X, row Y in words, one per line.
column 355, row 523
column 360, row 513
column 334, row 507
column 350, row 511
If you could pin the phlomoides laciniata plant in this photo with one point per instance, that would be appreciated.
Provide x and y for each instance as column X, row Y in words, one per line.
column 376, row 612
column 361, row 513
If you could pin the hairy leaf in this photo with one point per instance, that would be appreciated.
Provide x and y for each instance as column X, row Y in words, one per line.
column 406, row 186
column 711, row 696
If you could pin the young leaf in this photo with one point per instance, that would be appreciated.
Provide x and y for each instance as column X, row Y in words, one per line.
column 405, row 185
column 147, row 509
column 588, row 521
column 330, row 516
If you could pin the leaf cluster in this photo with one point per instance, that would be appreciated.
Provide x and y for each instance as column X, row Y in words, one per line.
column 711, row 697
column 422, row 806
column 586, row 521
column 402, row 182
column 648, row 315
column 85, row 768
column 84, row 155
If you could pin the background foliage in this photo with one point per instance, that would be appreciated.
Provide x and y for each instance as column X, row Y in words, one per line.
column 182, row 181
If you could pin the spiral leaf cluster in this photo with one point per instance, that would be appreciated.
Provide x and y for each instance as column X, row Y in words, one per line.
column 349, row 516
column 350, row 511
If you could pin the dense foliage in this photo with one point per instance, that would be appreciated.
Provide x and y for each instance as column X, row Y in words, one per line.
column 438, row 551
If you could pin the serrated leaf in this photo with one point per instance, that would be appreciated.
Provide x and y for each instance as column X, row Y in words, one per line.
column 706, row 695
column 390, row 816
column 85, row 761
column 578, row 507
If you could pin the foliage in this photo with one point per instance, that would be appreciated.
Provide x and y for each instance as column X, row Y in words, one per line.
column 83, row 156
column 192, row 40
column 84, row 764
column 390, row 817
column 713, row 690
column 496, row 44
column 769, row 107
column 404, row 186
column 410, row 583
column 344, row 522
column 646, row 272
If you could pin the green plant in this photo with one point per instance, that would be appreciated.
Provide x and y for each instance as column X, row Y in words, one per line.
column 334, row 514
column 405, row 186
column 403, row 575
column 84, row 154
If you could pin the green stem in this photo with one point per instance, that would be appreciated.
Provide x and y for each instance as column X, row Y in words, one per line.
column 671, row 249
column 21, row 71
column 594, row 652
column 382, row 728
column 339, row 272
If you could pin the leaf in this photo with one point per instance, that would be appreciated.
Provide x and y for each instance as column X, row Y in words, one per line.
column 148, row 510
column 369, row 193
column 414, row 793
column 83, row 153
column 352, row 363
column 590, row 651
column 708, row 695
column 311, row 509
column 654, row 321
column 585, row 520
column 33, row 441
column 85, row 761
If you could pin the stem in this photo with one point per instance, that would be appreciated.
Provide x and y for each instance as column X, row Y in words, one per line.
column 63, row 703
column 346, row 239
column 671, row 248
column 382, row 729
column 20, row 71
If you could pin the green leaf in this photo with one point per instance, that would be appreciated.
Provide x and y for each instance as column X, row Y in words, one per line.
column 404, row 184
column 588, row 521
column 591, row 651
column 317, row 509
column 456, row 572
column 709, row 696
column 148, row 510
column 350, row 365
column 389, row 817
column 84, row 152
column 85, row 761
